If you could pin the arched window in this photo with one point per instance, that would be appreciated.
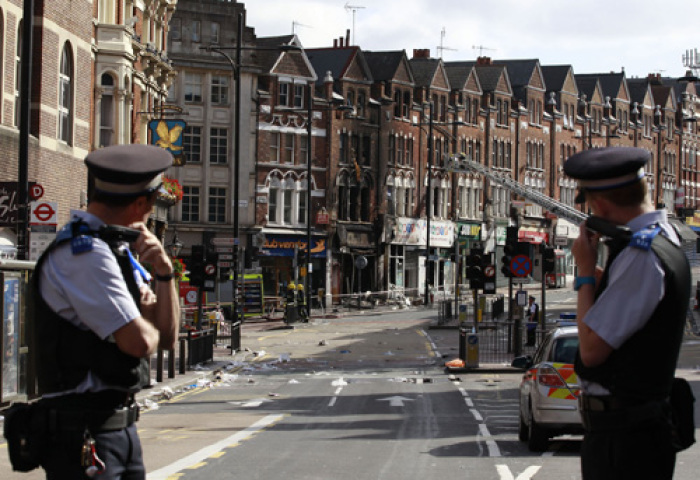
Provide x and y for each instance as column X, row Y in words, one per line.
column 65, row 96
column 107, row 111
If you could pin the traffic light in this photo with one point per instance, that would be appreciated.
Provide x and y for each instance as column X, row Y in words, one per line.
column 475, row 268
column 548, row 257
column 507, row 258
column 196, row 266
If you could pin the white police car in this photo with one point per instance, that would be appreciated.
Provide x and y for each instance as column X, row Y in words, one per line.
column 549, row 390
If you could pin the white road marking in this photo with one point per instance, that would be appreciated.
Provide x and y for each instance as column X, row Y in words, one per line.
column 505, row 473
column 206, row 452
column 395, row 401
column 477, row 415
column 494, row 451
column 332, row 402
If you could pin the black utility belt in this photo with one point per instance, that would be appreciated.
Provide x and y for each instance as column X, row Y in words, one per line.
column 93, row 420
column 607, row 403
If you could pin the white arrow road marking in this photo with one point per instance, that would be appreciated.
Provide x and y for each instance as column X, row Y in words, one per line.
column 206, row 452
column 395, row 401
column 256, row 402
column 505, row 473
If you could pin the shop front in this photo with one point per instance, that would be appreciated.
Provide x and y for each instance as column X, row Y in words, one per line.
column 281, row 261
column 356, row 266
column 407, row 251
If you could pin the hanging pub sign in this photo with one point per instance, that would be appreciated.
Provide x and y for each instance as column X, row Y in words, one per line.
column 168, row 134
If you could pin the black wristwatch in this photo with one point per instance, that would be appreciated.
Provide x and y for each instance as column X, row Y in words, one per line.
column 165, row 278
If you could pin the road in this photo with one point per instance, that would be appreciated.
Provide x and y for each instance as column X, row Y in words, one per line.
column 358, row 397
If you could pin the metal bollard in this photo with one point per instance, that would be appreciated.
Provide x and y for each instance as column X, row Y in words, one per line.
column 183, row 342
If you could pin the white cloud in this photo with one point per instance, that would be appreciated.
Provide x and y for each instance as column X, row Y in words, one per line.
column 594, row 36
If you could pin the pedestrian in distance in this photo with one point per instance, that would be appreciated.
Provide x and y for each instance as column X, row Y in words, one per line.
column 100, row 314
column 533, row 310
column 634, row 305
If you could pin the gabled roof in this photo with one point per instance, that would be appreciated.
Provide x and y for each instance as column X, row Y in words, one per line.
column 490, row 76
column 555, row 76
column 273, row 59
column 338, row 61
column 458, row 73
column 424, row 70
column 639, row 89
column 610, row 83
column 587, row 85
column 385, row 65
column 520, row 72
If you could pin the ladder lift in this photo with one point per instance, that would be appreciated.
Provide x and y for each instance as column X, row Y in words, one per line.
column 462, row 164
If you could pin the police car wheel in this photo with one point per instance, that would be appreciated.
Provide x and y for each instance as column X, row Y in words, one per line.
column 538, row 440
column 523, row 431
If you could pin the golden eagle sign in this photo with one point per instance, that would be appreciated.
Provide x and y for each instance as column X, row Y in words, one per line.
column 167, row 134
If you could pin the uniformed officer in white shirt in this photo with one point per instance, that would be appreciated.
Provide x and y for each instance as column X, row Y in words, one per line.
column 632, row 308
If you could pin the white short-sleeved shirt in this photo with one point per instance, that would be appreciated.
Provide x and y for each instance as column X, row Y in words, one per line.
column 635, row 288
column 88, row 289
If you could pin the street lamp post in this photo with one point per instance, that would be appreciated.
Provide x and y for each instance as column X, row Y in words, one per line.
column 236, row 70
column 309, row 132
column 428, row 205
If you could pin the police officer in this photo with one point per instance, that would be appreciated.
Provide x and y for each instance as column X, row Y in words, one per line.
column 532, row 315
column 98, row 320
column 633, row 306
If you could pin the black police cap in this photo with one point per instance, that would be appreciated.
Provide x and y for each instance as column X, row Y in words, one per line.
column 607, row 168
column 128, row 170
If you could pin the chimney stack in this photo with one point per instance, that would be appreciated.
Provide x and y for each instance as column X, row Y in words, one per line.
column 421, row 53
column 483, row 61
column 347, row 37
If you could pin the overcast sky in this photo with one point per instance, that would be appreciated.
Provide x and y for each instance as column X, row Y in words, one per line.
column 594, row 36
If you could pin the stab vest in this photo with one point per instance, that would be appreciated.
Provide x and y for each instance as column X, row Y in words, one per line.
column 642, row 369
column 65, row 353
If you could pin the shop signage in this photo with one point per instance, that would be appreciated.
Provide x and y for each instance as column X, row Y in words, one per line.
column 9, row 202
column 469, row 230
column 283, row 246
column 322, row 218
column 409, row 231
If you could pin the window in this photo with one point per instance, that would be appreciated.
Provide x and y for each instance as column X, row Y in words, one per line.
column 406, row 106
column 219, row 90
column 193, row 87
column 287, row 194
column 218, row 145
column 304, row 149
column 65, row 97
column 175, row 32
column 107, row 111
column 288, row 152
column 273, row 203
column 301, row 211
column 361, row 103
column 217, row 205
column 397, row 104
column 215, row 30
column 192, row 144
column 196, row 31
column 392, row 149
column 190, row 204
column 274, row 147
column 298, row 96
column 283, row 94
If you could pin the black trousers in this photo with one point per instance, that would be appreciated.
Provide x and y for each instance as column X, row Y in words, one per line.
column 120, row 450
column 616, row 446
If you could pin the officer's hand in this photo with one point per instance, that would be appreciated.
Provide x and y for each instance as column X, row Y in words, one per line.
column 150, row 250
column 585, row 251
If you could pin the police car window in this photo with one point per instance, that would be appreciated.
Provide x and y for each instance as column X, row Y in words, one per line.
column 564, row 350
column 542, row 349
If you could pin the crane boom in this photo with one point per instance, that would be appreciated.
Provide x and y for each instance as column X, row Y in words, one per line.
column 462, row 164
